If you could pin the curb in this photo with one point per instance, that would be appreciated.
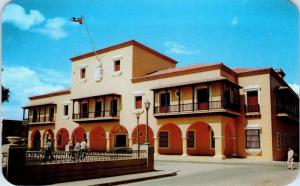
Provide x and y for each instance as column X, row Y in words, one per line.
column 136, row 179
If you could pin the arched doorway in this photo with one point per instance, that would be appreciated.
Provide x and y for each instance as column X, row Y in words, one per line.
column 36, row 140
column 97, row 139
column 142, row 135
column 78, row 134
column 200, row 139
column 48, row 135
column 228, row 150
column 119, row 136
column 62, row 137
column 170, row 141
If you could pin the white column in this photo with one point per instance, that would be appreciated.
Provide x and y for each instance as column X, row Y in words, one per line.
column 130, row 142
column 107, row 141
column 219, row 147
column 156, row 146
column 184, row 146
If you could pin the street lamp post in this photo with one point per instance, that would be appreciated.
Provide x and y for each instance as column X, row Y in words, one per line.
column 147, row 106
column 137, row 133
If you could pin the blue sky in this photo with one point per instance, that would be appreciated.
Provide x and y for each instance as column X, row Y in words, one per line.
column 39, row 39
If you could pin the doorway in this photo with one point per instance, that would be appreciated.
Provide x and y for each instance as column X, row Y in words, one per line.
column 120, row 140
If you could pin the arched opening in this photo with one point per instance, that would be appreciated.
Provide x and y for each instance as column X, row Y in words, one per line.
column 170, row 141
column 97, row 139
column 62, row 137
column 36, row 140
column 48, row 135
column 118, row 136
column 142, row 135
column 78, row 134
column 228, row 150
column 200, row 139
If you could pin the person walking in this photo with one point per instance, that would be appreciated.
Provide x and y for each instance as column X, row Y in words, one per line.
column 82, row 148
column 48, row 152
column 290, row 158
column 76, row 150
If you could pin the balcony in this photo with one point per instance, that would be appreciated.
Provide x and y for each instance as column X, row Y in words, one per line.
column 211, row 107
column 288, row 111
column 96, row 116
column 39, row 114
column 97, row 108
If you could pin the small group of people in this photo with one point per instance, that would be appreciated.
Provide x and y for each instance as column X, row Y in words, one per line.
column 48, row 151
column 80, row 148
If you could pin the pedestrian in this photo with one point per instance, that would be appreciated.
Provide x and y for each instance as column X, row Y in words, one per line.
column 76, row 150
column 82, row 148
column 48, row 152
column 290, row 158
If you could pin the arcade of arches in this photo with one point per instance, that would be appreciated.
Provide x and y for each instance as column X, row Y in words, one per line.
column 196, row 139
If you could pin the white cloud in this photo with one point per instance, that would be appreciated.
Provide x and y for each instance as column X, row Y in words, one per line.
column 175, row 48
column 16, row 15
column 235, row 21
column 53, row 28
column 24, row 82
column 295, row 87
column 34, row 21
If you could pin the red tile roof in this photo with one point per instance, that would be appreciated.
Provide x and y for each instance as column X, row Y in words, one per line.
column 51, row 94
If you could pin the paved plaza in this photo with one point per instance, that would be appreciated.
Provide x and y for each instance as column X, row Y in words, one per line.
column 190, row 173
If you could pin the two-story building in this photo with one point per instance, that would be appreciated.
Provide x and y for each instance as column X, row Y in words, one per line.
column 198, row 110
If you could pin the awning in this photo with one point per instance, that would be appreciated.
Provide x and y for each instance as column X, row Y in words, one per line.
column 220, row 78
column 39, row 104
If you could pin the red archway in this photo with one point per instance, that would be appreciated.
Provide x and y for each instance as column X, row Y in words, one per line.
column 36, row 139
column 142, row 137
column 170, row 141
column 97, row 139
column 62, row 137
column 78, row 134
column 200, row 139
column 118, row 136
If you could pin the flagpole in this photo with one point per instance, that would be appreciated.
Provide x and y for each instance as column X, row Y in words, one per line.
column 91, row 40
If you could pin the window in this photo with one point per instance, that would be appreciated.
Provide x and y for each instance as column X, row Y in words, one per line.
column 163, row 139
column 203, row 98
column 252, row 101
column 191, row 139
column 252, row 139
column 34, row 115
column 138, row 102
column 66, row 110
column 212, row 139
column 113, row 107
column 82, row 73
column 51, row 114
column 164, row 102
column 117, row 65
column 98, row 109
column 278, row 139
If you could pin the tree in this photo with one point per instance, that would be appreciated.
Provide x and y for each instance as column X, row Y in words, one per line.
column 5, row 94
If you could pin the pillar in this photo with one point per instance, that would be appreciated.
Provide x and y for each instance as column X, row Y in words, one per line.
column 88, row 139
column 234, row 146
column 218, row 129
column 156, row 146
column 107, row 142
column 130, row 142
column 55, row 144
column 184, row 146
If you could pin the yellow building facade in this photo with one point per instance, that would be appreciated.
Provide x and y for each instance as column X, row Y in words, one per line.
column 199, row 110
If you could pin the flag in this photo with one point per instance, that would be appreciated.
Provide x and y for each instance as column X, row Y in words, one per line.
column 78, row 20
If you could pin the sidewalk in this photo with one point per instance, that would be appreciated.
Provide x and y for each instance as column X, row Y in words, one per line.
column 121, row 179
column 209, row 159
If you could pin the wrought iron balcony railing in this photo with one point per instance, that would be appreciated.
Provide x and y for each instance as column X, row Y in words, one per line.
column 190, row 107
column 42, row 119
column 99, row 114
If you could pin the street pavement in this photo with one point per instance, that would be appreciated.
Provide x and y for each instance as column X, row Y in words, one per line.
column 191, row 173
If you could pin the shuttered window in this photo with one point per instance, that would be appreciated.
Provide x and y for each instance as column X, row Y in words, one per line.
column 82, row 73
column 252, row 139
column 117, row 65
column 138, row 102
column 163, row 139
column 191, row 139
